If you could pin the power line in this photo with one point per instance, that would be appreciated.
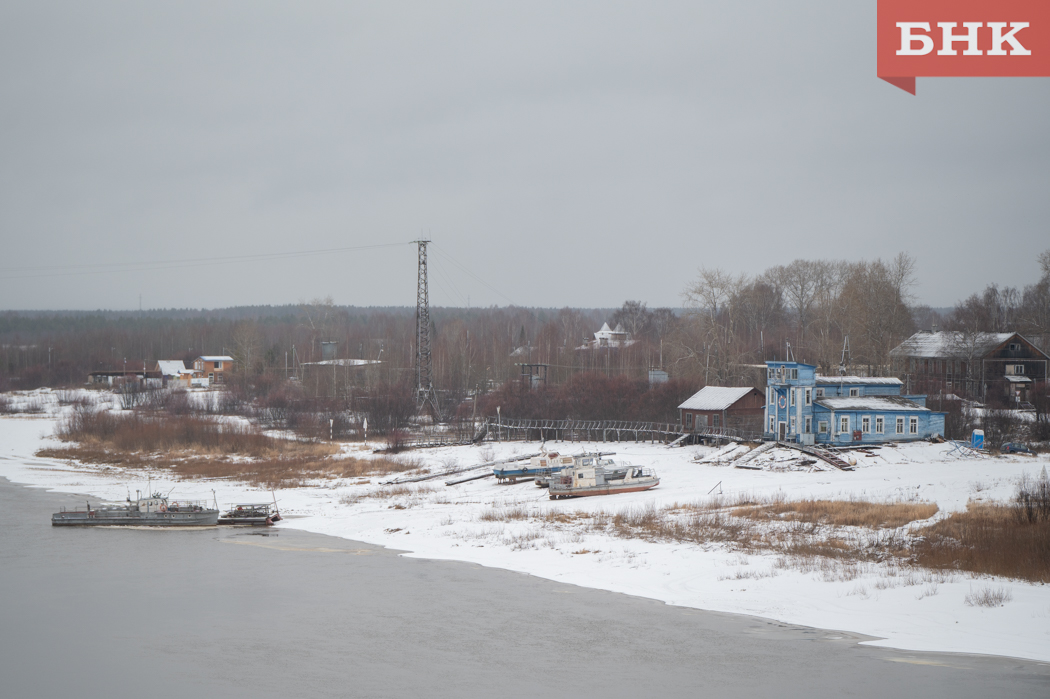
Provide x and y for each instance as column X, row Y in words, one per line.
column 153, row 265
column 481, row 281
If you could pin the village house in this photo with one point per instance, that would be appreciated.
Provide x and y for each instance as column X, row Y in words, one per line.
column 173, row 371
column 986, row 366
column 718, row 407
column 212, row 367
column 806, row 408
column 608, row 337
column 111, row 377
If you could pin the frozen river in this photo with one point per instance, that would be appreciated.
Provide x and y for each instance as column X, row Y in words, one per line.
column 283, row 613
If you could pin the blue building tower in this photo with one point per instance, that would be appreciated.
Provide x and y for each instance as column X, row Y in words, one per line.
column 803, row 407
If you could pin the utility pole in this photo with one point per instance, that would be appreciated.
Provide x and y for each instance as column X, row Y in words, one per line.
column 424, row 365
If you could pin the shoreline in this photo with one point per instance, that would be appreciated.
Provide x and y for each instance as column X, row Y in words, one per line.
column 439, row 523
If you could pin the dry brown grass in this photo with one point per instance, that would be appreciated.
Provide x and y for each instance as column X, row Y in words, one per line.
column 389, row 492
column 194, row 447
column 842, row 513
column 505, row 514
column 989, row 539
column 135, row 432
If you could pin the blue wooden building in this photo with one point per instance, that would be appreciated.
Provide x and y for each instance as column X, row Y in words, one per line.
column 806, row 408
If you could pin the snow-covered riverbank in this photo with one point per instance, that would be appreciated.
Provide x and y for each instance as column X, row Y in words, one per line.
column 507, row 526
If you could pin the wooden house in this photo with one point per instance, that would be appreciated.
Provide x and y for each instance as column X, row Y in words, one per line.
column 806, row 408
column 714, row 407
column 173, row 371
column 987, row 366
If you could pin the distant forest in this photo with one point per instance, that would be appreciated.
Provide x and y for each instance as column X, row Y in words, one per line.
column 728, row 325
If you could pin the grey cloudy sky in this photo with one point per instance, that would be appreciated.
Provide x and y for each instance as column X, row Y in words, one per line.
column 563, row 153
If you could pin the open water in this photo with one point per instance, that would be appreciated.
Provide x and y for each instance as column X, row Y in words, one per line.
column 241, row 612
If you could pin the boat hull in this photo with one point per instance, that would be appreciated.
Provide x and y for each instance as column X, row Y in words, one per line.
column 588, row 491
column 125, row 519
column 257, row 521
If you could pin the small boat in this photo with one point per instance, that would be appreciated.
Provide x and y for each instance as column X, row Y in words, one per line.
column 153, row 511
column 251, row 513
column 543, row 478
column 596, row 479
column 541, row 465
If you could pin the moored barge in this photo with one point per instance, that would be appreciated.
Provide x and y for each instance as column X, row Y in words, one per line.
column 260, row 514
column 154, row 511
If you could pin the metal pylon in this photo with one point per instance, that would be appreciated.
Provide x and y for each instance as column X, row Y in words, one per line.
column 424, row 365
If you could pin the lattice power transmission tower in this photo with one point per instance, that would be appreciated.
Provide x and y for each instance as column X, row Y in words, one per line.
column 424, row 365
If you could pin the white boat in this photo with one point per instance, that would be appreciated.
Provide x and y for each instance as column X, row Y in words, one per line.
column 597, row 479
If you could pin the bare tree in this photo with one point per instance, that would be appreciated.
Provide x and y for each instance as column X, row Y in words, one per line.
column 799, row 283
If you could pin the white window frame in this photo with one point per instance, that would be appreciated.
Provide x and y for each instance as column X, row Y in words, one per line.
column 854, row 393
column 809, row 396
column 865, row 424
column 844, row 424
column 900, row 425
column 771, row 373
column 794, row 374
column 688, row 420
column 772, row 395
column 913, row 425
column 809, row 424
column 791, row 396
column 791, row 427
column 822, row 426
column 880, row 424
column 773, row 423
column 820, row 392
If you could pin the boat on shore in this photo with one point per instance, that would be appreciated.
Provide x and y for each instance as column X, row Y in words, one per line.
column 543, row 478
column 596, row 479
column 153, row 511
column 255, row 513
column 542, row 465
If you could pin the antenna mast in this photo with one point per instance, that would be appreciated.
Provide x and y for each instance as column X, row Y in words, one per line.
column 424, row 365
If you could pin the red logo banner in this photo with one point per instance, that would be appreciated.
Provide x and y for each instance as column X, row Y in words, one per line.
column 962, row 38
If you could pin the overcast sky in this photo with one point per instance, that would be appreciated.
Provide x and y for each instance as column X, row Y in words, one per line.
column 558, row 153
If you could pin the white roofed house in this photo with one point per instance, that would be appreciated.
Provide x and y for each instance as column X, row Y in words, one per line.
column 714, row 408
column 212, row 367
column 173, row 370
column 609, row 337
column 986, row 366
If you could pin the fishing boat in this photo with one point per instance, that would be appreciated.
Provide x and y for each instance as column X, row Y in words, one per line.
column 595, row 479
column 251, row 513
column 153, row 511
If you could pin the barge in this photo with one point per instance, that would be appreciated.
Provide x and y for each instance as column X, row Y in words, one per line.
column 153, row 511
column 256, row 513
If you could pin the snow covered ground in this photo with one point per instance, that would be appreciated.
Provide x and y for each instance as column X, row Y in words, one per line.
column 899, row 607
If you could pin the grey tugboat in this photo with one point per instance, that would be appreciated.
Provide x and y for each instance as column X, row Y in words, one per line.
column 153, row 511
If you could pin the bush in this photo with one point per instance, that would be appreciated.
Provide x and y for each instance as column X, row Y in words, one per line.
column 591, row 396
column 138, row 432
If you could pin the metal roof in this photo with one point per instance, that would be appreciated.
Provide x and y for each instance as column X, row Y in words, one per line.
column 949, row 344
column 869, row 380
column 888, row 404
column 715, row 397
column 343, row 362
column 216, row 358
column 172, row 367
